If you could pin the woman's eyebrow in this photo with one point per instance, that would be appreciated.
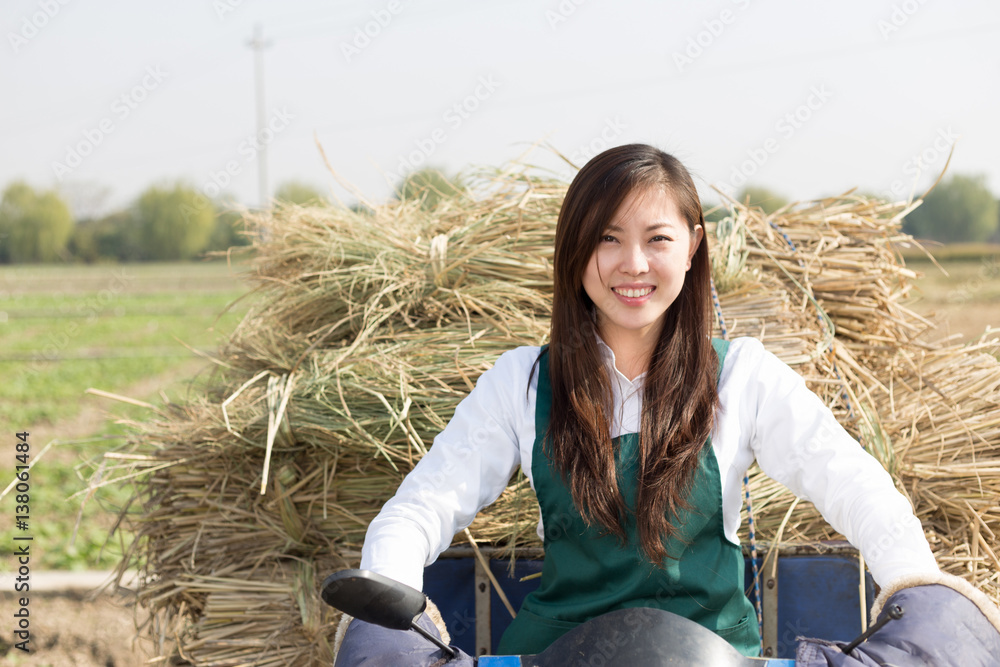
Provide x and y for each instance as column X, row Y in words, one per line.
column 650, row 228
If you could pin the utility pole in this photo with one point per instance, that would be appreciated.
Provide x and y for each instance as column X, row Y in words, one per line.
column 258, row 45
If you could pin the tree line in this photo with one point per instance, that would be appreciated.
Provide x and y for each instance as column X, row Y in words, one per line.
column 961, row 209
column 164, row 223
column 176, row 222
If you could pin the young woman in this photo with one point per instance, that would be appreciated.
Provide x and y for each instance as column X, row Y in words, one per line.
column 636, row 429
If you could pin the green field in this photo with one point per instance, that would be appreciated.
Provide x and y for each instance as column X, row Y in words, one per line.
column 122, row 329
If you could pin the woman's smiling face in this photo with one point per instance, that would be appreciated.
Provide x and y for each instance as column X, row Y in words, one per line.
column 638, row 267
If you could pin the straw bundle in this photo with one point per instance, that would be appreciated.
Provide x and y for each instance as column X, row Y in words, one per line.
column 370, row 328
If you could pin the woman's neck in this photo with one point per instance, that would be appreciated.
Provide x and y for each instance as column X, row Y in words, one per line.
column 632, row 352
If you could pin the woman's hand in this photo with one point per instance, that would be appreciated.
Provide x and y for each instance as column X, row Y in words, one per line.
column 945, row 622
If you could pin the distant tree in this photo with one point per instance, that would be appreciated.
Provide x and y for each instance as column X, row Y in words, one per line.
column 959, row 209
column 173, row 223
column 111, row 237
column 430, row 185
column 295, row 192
column 765, row 198
column 227, row 231
column 995, row 236
column 87, row 199
column 714, row 212
column 34, row 227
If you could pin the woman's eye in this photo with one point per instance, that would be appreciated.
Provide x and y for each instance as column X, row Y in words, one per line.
column 607, row 238
column 660, row 237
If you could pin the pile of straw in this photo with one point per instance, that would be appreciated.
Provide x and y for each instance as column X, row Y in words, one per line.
column 370, row 327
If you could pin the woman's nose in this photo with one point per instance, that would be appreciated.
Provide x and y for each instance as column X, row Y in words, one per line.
column 634, row 260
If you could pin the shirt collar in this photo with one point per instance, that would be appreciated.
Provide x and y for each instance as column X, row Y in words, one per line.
column 609, row 358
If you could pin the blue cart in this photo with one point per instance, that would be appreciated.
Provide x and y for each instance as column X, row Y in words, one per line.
column 814, row 592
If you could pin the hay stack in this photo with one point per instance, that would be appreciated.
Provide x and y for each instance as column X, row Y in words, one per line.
column 370, row 328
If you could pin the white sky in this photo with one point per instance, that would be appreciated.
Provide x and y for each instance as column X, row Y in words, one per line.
column 888, row 80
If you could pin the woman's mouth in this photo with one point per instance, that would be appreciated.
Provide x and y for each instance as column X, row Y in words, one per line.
column 633, row 293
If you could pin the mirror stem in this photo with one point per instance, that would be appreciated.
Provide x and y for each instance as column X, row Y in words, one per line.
column 894, row 612
column 444, row 647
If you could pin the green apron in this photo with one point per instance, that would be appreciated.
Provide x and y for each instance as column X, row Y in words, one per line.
column 586, row 574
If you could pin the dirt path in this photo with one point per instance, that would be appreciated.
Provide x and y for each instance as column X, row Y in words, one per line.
column 969, row 322
column 71, row 630
column 76, row 629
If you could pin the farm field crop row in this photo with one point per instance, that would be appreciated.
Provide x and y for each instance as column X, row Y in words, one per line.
column 70, row 328
column 126, row 329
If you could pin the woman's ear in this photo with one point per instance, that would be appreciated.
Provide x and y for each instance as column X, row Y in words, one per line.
column 696, row 236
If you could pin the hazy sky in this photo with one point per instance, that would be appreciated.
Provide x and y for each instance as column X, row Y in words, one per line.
column 807, row 98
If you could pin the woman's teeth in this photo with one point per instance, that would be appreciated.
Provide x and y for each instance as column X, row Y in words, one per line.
column 633, row 293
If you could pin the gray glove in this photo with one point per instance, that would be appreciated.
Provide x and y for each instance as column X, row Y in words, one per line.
column 367, row 645
column 360, row 644
column 946, row 623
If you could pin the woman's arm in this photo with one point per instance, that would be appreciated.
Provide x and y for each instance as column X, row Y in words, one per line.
column 466, row 469
column 798, row 442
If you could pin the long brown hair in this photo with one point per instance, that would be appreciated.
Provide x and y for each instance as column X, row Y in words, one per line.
column 679, row 396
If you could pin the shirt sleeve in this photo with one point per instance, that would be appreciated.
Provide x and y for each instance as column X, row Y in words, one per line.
column 467, row 468
column 799, row 443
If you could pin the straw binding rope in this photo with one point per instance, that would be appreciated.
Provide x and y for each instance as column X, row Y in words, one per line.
column 746, row 492
column 850, row 412
column 829, row 349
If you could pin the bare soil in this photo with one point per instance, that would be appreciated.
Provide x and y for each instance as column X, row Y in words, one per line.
column 967, row 321
column 79, row 629
column 75, row 630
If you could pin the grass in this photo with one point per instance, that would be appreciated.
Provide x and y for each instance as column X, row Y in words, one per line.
column 77, row 327
column 951, row 252
column 64, row 329
column 964, row 293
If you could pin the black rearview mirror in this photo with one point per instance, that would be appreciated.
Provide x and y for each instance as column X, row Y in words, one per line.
column 376, row 599
column 373, row 598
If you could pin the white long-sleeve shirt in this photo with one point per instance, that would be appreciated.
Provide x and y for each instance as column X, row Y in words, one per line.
column 766, row 413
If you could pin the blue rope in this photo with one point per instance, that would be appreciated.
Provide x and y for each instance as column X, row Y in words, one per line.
column 831, row 356
column 746, row 490
column 746, row 478
column 718, row 310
